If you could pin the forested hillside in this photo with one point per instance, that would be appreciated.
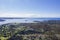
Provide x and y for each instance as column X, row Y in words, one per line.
column 10, row 31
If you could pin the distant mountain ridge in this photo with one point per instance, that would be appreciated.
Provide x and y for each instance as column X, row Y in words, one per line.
column 2, row 20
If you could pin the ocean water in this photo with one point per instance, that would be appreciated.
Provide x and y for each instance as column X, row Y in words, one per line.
column 24, row 20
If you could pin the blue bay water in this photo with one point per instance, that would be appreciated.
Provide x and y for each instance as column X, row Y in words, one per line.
column 25, row 20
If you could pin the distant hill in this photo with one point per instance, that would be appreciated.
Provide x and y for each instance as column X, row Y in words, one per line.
column 2, row 20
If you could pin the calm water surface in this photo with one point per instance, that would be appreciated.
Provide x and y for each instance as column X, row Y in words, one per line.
column 25, row 20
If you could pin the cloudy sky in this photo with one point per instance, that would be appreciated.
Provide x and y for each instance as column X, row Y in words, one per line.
column 30, row 8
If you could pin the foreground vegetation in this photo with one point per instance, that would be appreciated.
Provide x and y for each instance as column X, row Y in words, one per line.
column 44, row 30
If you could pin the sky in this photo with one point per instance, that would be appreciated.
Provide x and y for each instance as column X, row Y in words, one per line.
column 30, row 8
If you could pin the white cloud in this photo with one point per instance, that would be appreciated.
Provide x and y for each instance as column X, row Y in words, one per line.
column 16, row 15
column 28, row 15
